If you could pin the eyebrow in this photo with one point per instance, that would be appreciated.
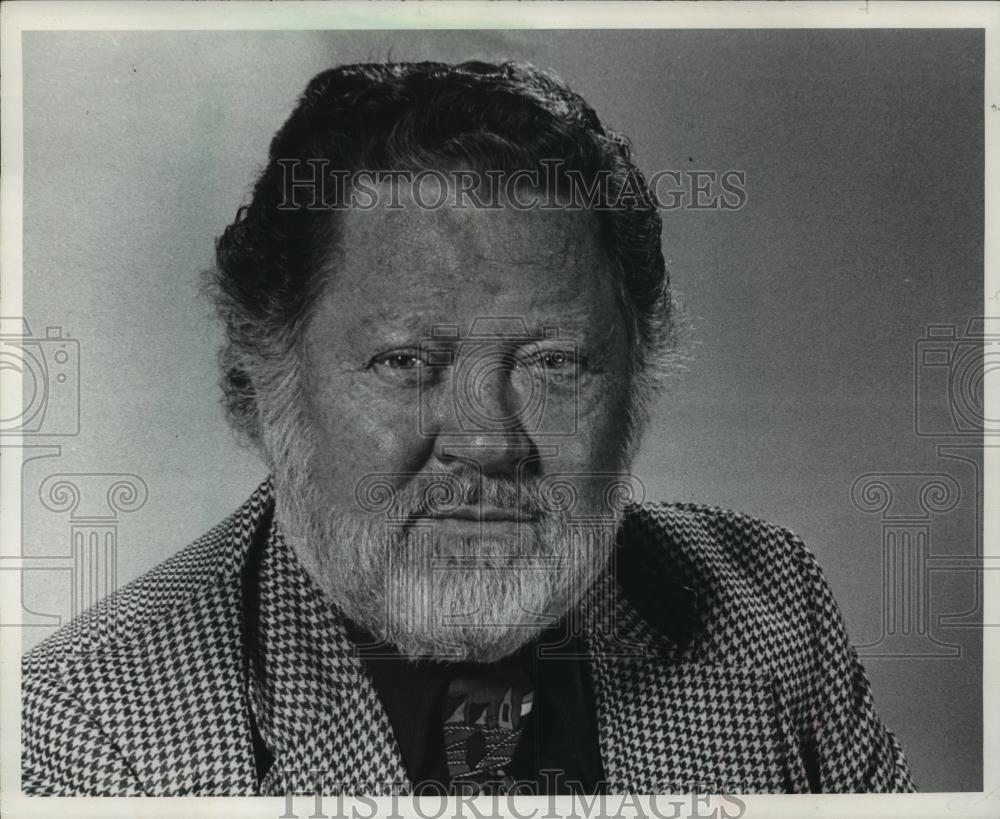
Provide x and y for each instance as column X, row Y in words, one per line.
column 595, row 343
column 387, row 327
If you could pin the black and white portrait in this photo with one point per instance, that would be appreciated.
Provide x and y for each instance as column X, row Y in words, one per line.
column 496, row 410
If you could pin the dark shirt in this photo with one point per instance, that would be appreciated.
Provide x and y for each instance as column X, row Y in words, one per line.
column 558, row 751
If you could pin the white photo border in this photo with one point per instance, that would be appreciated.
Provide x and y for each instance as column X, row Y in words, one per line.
column 19, row 17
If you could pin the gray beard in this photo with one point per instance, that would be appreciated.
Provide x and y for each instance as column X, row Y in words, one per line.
column 475, row 599
column 379, row 562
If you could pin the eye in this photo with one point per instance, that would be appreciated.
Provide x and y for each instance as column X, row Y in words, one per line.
column 399, row 361
column 555, row 359
column 559, row 363
column 551, row 359
column 405, row 367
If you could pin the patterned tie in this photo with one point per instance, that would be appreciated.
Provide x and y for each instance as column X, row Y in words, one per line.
column 483, row 721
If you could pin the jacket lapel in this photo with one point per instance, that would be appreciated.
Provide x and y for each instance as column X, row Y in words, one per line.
column 672, row 717
column 315, row 705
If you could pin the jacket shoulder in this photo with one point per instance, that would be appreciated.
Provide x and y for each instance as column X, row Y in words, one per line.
column 762, row 605
column 142, row 693
column 127, row 615
column 709, row 538
column 753, row 587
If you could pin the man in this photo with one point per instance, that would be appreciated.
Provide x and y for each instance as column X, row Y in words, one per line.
column 447, row 315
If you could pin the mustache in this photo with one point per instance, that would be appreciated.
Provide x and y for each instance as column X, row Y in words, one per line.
column 436, row 494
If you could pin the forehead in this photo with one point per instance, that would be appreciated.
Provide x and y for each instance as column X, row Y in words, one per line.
column 421, row 266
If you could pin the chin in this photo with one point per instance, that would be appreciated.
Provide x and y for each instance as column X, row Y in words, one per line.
column 472, row 615
column 443, row 592
column 447, row 644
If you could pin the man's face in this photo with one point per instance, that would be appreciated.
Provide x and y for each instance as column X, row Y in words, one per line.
column 464, row 369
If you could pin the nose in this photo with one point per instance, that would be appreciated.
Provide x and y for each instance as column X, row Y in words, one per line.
column 483, row 419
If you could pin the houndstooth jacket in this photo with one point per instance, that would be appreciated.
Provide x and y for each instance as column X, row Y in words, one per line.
column 725, row 668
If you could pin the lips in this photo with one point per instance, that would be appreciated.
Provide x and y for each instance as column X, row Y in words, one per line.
column 474, row 519
column 485, row 514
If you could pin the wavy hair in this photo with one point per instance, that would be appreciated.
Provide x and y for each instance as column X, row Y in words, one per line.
column 509, row 117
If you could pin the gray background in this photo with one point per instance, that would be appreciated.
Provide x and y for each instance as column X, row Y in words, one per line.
column 863, row 152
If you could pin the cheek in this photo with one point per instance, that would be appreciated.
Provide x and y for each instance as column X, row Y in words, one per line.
column 362, row 435
column 601, row 424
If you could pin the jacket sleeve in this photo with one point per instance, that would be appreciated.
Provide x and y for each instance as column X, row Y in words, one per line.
column 64, row 752
column 846, row 745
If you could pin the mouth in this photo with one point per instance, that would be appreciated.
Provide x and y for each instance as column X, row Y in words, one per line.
column 485, row 514
column 471, row 519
